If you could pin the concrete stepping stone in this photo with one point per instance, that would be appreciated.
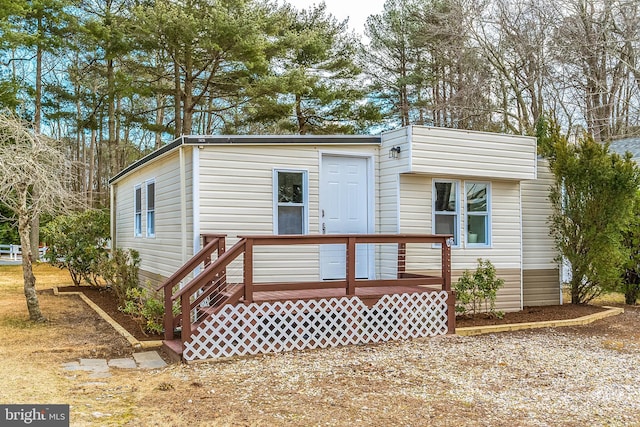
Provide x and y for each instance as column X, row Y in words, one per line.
column 95, row 365
column 124, row 363
column 149, row 360
column 99, row 368
column 73, row 366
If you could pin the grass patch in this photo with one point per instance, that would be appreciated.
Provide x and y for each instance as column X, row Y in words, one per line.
column 21, row 322
column 47, row 276
column 613, row 298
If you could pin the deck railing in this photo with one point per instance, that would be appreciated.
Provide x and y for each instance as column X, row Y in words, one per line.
column 200, row 289
column 211, row 244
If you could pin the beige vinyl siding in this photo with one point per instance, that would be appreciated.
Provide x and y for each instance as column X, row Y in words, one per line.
column 539, row 247
column 508, row 298
column 541, row 284
column 388, row 221
column 150, row 280
column 541, row 287
column 189, row 198
column 504, row 252
column 450, row 152
column 161, row 254
column 236, row 198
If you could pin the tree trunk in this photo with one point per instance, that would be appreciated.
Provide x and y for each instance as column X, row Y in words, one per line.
column 177, row 99
column 302, row 120
column 159, row 120
column 33, row 306
column 92, row 167
column 188, row 104
column 35, row 224
column 111, row 120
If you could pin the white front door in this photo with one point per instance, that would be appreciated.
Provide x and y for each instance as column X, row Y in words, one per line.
column 344, row 209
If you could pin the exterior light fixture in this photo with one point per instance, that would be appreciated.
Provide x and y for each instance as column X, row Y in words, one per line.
column 394, row 152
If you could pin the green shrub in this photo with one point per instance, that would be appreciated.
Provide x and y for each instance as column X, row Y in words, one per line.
column 476, row 292
column 146, row 307
column 120, row 272
column 630, row 284
column 79, row 243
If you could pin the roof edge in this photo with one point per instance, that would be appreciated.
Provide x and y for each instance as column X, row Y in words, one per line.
column 247, row 139
column 281, row 139
column 153, row 155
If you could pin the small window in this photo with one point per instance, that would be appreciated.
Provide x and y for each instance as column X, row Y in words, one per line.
column 477, row 197
column 137, row 211
column 151, row 209
column 290, row 210
column 446, row 208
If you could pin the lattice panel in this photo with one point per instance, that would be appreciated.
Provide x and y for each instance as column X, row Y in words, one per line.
column 296, row 325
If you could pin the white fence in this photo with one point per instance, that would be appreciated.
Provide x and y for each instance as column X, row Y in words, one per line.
column 15, row 251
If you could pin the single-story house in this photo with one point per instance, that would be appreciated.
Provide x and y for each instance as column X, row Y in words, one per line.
column 488, row 190
column 363, row 202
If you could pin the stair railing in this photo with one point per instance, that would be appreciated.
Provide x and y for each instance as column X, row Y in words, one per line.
column 210, row 274
column 212, row 243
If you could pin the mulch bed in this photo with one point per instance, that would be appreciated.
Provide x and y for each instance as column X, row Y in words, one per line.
column 531, row 314
column 106, row 300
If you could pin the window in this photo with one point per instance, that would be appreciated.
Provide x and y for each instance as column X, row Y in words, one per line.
column 151, row 211
column 137, row 211
column 446, row 209
column 290, row 202
column 477, row 198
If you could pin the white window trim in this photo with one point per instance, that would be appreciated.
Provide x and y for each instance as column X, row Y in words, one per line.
column 136, row 232
column 146, row 206
column 457, row 212
column 488, row 215
column 305, row 198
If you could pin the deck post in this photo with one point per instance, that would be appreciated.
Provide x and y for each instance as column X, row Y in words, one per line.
column 351, row 266
column 446, row 286
column 168, row 314
column 248, row 271
column 451, row 313
column 446, row 265
column 207, row 258
column 185, row 333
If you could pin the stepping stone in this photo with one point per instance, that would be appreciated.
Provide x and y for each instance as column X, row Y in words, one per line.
column 72, row 366
column 149, row 360
column 125, row 363
column 95, row 365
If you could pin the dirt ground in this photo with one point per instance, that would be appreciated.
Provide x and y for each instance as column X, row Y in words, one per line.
column 106, row 300
column 401, row 383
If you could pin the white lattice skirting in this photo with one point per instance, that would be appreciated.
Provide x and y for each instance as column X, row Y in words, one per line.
column 296, row 325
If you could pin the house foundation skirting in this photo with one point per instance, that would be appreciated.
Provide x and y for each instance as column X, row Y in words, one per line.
column 272, row 327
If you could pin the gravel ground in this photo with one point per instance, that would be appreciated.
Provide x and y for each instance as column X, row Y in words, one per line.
column 549, row 377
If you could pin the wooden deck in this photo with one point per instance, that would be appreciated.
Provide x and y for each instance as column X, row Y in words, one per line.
column 208, row 302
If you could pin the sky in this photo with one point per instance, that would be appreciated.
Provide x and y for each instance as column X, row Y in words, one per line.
column 356, row 10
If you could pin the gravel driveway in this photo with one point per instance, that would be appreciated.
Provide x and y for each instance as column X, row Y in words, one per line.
column 583, row 376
